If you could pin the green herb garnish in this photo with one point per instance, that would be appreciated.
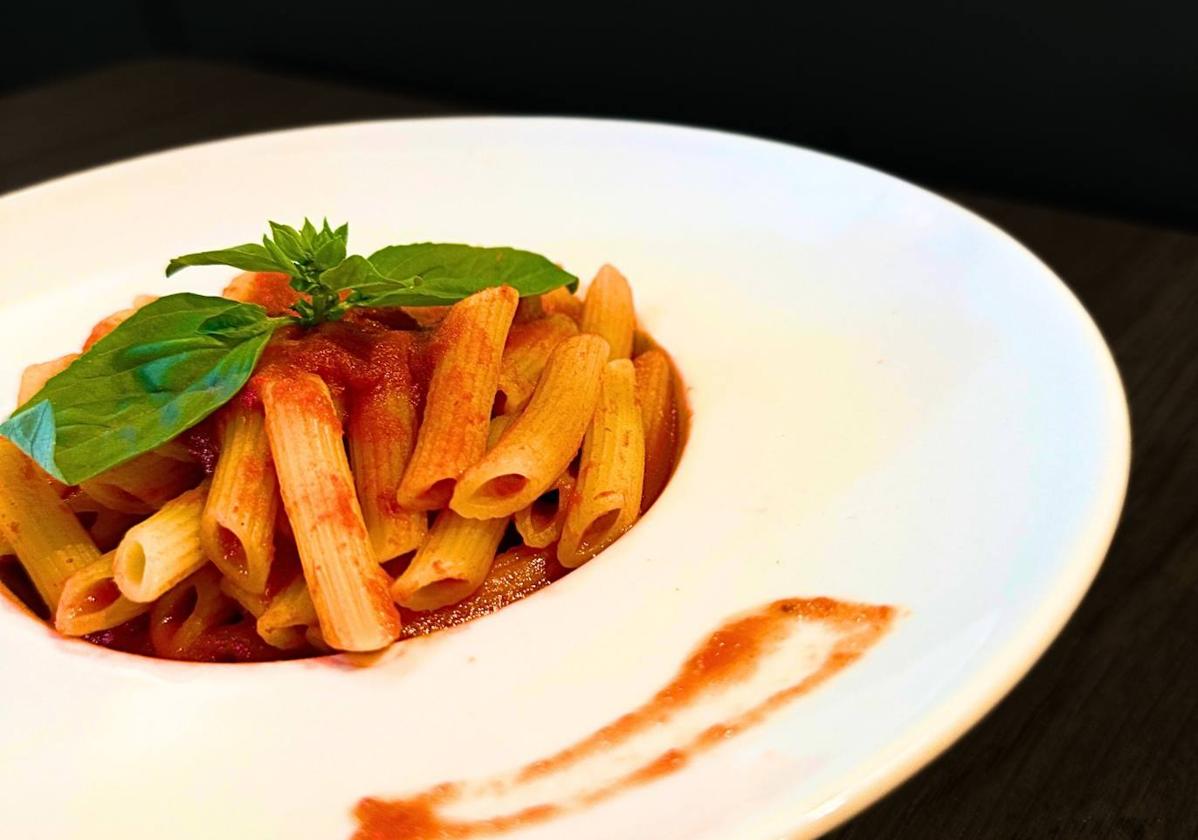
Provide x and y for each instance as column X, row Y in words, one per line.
column 178, row 359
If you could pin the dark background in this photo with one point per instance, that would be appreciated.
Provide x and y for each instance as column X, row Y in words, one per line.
column 1091, row 106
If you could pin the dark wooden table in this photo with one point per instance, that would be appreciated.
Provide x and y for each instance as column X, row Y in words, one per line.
column 1101, row 739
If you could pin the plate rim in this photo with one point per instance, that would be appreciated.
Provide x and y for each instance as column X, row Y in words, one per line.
column 958, row 711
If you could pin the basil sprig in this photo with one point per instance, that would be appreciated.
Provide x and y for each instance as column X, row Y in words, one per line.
column 178, row 359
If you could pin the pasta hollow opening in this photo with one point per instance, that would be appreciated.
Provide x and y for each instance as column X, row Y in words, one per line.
column 440, row 492
column 134, row 562
column 232, row 549
column 544, row 510
column 502, row 487
column 597, row 532
column 100, row 596
column 180, row 608
column 438, row 594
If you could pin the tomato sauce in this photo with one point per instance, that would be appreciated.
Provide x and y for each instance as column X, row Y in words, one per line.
column 726, row 657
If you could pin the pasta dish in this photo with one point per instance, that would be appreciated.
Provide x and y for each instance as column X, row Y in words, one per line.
column 337, row 453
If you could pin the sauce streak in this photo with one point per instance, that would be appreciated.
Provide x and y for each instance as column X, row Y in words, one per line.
column 728, row 656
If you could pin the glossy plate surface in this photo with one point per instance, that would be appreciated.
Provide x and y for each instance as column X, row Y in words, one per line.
column 893, row 403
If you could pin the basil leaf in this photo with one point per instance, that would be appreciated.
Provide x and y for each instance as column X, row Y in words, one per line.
column 329, row 253
column 278, row 255
column 353, row 272
column 164, row 369
column 248, row 257
column 439, row 291
column 308, row 233
column 241, row 322
column 528, row 273
column 289, row 241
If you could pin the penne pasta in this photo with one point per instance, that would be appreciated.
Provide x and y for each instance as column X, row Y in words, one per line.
column 655, row 397
column 426, row 316
column 540, row 524
column 461, row 391
column 237, row 526
column 143, row 484
column 540, row 443
column 607, row 500
column 456, row 555
column 158, row 553
column 253, row 603
column 39, row 527
column 564, row 301
column 287, row 618
column 608, row 311
column 91, row 601
column 181, row 617
column 380, row 434
column 524, row 357
column 326, row 470
column 452, row 562
column 36, row 376
column 515, row 574
column 346, row 584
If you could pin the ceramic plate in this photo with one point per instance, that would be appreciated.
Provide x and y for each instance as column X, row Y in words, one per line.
column 893, row 404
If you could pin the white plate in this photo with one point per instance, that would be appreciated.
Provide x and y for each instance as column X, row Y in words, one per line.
column 893, row 402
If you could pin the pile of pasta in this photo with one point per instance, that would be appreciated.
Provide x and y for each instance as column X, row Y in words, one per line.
column 378, row 477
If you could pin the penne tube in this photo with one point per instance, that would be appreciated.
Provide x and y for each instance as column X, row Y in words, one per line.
column 453, row 433
column 39, row 527
column 655, row 397
column 285, row 621
column 381, row 433
column 6, row 549
column 564, row 301
column 346, row 583
column 36, row 376
column 524, row 357
column 142, row 484
column 608, row 311
column 515, row 574
column 158, row 553
column 456, row 555
column 540, row 524
column 182, row 616
column 426, row 316
column 607, row 500
column 541, row 442
column 237, row 526
column 452, row 562
column 254, row 603
column 91, row 601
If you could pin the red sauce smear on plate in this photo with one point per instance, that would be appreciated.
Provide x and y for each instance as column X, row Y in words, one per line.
column 727, row 656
